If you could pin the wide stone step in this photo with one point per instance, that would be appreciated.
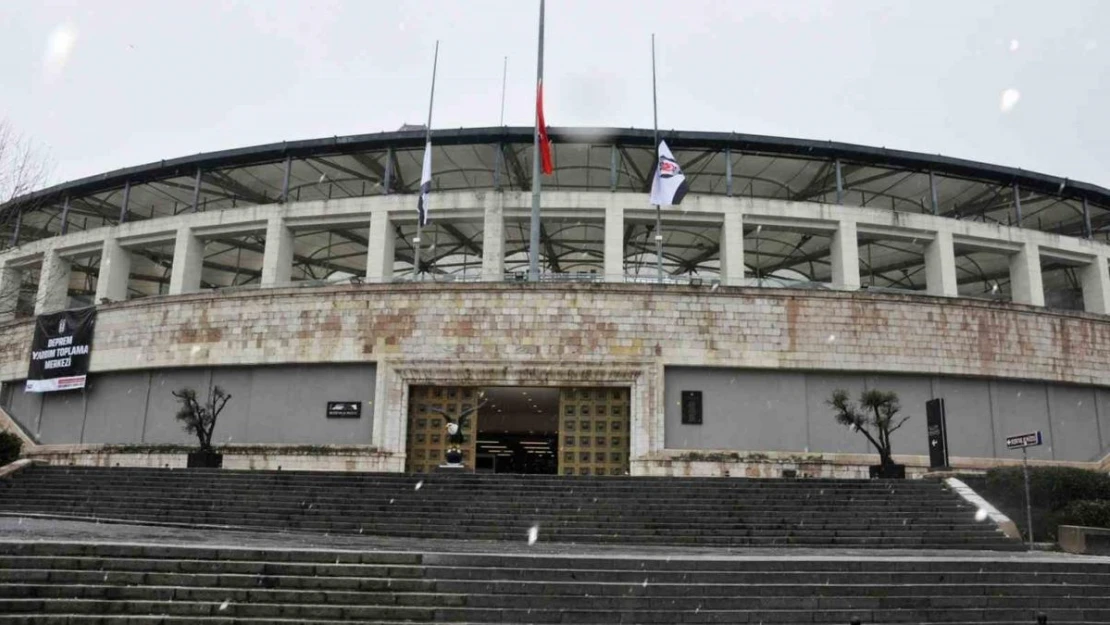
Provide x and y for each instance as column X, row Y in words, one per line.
column 324, row 492
column 576, row 520
column 625, row 602
column 970, row 541
column 534, row 615
column 522, row 572
column 518, row 504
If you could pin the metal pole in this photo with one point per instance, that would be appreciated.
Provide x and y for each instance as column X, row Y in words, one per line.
column 498, row 157
column 728, row 172
column 1017, row 204
column 504, row 76
column 933, row 193
column 387, row 184
column 65, row 216
column 1028, row 502
column 285, row 179
column 655, row 134
column 1086, row 219
column 613, row 167
column 839, row 184
column 18, row 223
column 416, row 273
column 196, row 192
column 534, row 234
column 126, row 201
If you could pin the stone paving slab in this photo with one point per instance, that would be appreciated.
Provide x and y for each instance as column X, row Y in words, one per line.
column 28, row 529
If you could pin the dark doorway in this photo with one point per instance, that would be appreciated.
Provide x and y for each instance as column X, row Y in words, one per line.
column 518, row 431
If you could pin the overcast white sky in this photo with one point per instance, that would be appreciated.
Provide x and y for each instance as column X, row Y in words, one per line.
column 109, row 84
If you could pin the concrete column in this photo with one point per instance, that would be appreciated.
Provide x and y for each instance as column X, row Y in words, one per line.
column 940, row 266
column 53, row 284
column 1095, row 278
column 493, row 239
column 379, row 252
column 844, row 255
column 614, row 241
column 277, row 257
column 10, row 281
column 115, row 267
column 188, row 262
column 732, row 248
column 1025, row 276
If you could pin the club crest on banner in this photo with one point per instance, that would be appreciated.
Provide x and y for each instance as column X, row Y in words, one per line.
column 668, row 167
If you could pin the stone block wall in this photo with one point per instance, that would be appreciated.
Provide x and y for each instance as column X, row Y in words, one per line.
column 568, row 327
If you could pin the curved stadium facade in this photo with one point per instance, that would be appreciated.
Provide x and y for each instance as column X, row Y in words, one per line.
column 285, row 274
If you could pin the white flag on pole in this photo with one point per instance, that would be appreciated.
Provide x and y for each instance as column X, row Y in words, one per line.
column 669, row 185
column 425, row 185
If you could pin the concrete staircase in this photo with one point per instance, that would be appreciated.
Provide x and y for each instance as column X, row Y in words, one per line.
column 908, row 514
column 54, row 583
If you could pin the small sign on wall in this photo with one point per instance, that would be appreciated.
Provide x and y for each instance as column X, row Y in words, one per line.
column 344, row 409
column 691, row 407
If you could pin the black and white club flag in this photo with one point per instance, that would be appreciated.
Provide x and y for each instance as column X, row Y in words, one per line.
column 669, row 185
column 425, row 185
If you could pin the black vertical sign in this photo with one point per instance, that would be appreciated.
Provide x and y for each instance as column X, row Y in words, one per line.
column 691, row 407
column 938, row 433
column 60, row 350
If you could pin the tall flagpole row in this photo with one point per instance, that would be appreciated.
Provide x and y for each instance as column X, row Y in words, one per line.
column 417, row 274
column 655, row 135
column 534, row 239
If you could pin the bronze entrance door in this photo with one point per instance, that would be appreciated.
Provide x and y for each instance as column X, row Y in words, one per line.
column 429, row 407
column 594, row 431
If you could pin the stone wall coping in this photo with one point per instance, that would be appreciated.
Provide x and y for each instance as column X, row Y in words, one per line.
column 723, row 292
column 9, row 424
column 1005, row 525
column 12, row 468
column 798, row 457
column 237, row 449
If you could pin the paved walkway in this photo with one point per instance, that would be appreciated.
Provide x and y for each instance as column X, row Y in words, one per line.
column 27, row 528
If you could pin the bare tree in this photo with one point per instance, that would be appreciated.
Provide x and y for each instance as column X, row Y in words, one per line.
column 200, row 419
column 875, row 418
column 24, row 167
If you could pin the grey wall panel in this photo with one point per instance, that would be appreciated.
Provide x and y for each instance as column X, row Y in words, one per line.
column 62, row 416
column 162, row 428
column 1074, row 422
column 232, row 426
column 749, row 410
column 23, row 407
column 1021, row 407
column 967, row 404
column 825, row 434
column 1102, row 398
column 288, row 404
column 115, row 407
column 913, row 392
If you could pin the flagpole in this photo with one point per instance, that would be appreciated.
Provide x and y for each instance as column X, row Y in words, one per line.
column 416, row 273
column 655, row 135
column 504, row 75
column 534, row 239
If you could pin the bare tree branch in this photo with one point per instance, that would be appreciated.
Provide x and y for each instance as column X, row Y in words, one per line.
column 24, row 167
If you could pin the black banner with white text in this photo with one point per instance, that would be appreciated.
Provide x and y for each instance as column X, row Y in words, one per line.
column 60, row 350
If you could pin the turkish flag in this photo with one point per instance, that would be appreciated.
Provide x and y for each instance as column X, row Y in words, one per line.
column 541, row 125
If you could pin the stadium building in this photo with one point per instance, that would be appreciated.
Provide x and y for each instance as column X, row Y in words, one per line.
column 286, row 275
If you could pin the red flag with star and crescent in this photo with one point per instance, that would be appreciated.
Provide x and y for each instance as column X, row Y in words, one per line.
column 548, row 165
